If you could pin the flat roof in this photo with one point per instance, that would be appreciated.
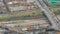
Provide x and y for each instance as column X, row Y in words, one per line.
column 54, row 0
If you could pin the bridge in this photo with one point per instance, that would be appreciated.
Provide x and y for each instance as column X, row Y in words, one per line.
column 51, row 17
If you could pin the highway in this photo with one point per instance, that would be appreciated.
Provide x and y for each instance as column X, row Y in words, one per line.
column 52, row 18
column 11, row 28
column 23, row 25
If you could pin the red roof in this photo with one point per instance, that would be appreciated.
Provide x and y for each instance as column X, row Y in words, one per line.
column 3, row 9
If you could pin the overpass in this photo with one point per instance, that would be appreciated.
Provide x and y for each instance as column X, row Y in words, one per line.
column 51, row 16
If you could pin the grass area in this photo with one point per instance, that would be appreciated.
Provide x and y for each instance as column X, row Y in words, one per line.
column 27, row 17
column 23, row 17
column 56, row 11
column 4, row 19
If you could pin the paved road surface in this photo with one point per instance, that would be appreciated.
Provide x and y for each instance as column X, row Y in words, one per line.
column 52, row 18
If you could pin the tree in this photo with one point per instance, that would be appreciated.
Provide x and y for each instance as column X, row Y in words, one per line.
column 33, row 14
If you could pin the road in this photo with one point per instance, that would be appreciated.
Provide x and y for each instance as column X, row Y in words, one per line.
column 52, row 18
column 22, row 25
column 11, row 28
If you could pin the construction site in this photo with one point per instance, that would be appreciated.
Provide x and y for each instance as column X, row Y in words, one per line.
column 29, row 17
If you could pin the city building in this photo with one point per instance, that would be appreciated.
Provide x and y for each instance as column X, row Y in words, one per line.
column 16, row 5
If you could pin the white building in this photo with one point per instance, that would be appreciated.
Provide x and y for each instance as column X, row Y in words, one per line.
column 30, row 0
